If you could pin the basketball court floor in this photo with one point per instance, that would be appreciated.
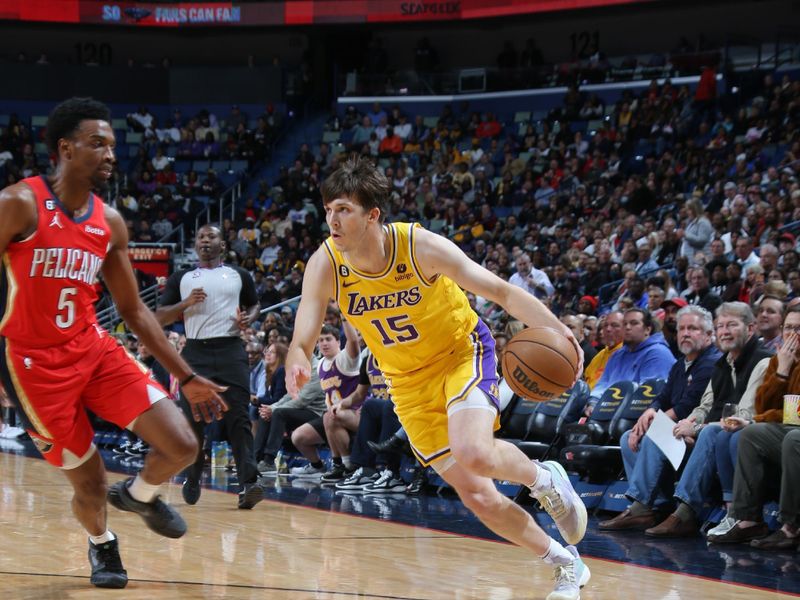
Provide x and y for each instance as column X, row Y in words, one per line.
column 306, row 542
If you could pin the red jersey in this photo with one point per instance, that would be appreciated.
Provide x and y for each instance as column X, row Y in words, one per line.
column 47, row 281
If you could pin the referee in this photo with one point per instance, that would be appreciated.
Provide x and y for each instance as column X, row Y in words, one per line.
column 216, row 302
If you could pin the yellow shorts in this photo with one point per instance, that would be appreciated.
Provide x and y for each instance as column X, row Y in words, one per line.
column 422, row 398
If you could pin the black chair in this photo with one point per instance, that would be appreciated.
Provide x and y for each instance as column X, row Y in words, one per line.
column 628, row 415
column 583, row 452
column 547, row 421
column 515, row 418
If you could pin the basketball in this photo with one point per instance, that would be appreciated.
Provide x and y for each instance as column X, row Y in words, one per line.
column 539, row 363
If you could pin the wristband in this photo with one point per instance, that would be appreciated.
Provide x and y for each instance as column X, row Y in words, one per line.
column 188, row 378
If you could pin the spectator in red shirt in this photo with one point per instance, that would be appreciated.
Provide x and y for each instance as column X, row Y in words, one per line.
column 489, row 127
column 391, row 145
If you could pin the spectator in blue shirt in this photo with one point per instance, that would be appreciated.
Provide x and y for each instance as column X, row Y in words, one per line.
column 644, row 355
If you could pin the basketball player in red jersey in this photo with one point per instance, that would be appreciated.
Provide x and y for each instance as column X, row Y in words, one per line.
column 56, row 236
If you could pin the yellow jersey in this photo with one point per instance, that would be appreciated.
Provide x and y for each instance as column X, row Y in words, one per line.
column 408, row 321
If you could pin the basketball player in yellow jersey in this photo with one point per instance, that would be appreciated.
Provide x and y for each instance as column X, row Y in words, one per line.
column 401, row 287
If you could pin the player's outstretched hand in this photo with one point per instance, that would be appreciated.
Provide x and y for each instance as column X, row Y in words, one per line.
column 296, row 377
column 203, row 396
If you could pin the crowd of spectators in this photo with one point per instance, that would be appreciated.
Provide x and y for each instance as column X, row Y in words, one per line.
column 674, row 199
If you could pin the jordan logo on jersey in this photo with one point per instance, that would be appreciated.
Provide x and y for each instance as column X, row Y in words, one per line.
column 56, row 222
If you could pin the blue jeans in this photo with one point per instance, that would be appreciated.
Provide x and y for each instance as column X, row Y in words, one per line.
column 650, row 476
column 726, row 447
column 699, row 474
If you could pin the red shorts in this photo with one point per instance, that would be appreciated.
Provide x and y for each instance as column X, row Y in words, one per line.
column 54, row 386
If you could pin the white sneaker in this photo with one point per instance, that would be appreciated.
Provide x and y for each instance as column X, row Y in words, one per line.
column 570, row 578
column 358, row 480
column 724, row 526
column 308, row 471
column 387, row 483
column 562, row 503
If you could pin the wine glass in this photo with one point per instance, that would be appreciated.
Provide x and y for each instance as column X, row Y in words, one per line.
column 728, row 411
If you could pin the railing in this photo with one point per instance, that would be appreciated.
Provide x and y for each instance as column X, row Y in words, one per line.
column 478, row 79
column 109, row 317
column 264, row 311
column 178, row 233
column 226, row 205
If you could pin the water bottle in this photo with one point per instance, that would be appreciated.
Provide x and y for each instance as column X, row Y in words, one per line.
column 280, row 463
column 219, row 455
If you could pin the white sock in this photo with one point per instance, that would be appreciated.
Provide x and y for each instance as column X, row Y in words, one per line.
column 543, row 479
column 346, row 462
column 557, row 554
column 102, row 539
column 142, row 491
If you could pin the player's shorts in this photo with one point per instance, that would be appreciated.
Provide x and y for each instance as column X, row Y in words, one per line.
column 53, row 387
column 423, row 398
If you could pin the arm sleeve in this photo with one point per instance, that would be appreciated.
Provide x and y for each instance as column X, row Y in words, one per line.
column 172, row 290
column 770, row 393
column 247, row 296
column 310, row 395
column 657, row 364
column 346, row 364
column 747, row 402
column 706, row 402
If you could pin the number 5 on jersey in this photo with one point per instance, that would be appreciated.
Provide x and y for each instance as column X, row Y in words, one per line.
column 65, row 316
column 400, row 332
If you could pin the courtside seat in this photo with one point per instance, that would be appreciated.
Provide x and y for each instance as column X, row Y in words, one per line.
column 603, row 459
column 547, row 420
column 582, row 453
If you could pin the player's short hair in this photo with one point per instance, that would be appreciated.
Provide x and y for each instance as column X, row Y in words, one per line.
column 330, row 330
column 360, row 180
column 66, row 117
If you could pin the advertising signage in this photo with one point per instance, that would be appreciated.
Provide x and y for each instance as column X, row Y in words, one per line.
column 301, row 12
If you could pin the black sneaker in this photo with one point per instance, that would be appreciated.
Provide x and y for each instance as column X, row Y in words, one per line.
column 107, row 571
column 191, row 491
column 138, row 448
column 335, row 474
column 251, row 495
column 418, row 482
column 159, row 516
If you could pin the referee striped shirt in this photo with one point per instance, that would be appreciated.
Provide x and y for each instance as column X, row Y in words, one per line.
column 227, row 288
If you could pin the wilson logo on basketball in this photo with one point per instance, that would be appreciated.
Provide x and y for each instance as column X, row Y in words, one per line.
column 529, row 384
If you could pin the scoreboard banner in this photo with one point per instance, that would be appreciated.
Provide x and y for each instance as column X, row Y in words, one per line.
column 288, row 12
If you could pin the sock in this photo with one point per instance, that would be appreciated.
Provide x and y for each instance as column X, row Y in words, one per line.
column 142, row 491
column 337, row 460
column 543, row 479
column 318, row 465
column 637, row 508
column 102, row 539
column 347, row 463
column 557, row 555
column 684, row 512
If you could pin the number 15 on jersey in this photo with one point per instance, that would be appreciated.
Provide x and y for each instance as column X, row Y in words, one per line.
column 395, row 330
